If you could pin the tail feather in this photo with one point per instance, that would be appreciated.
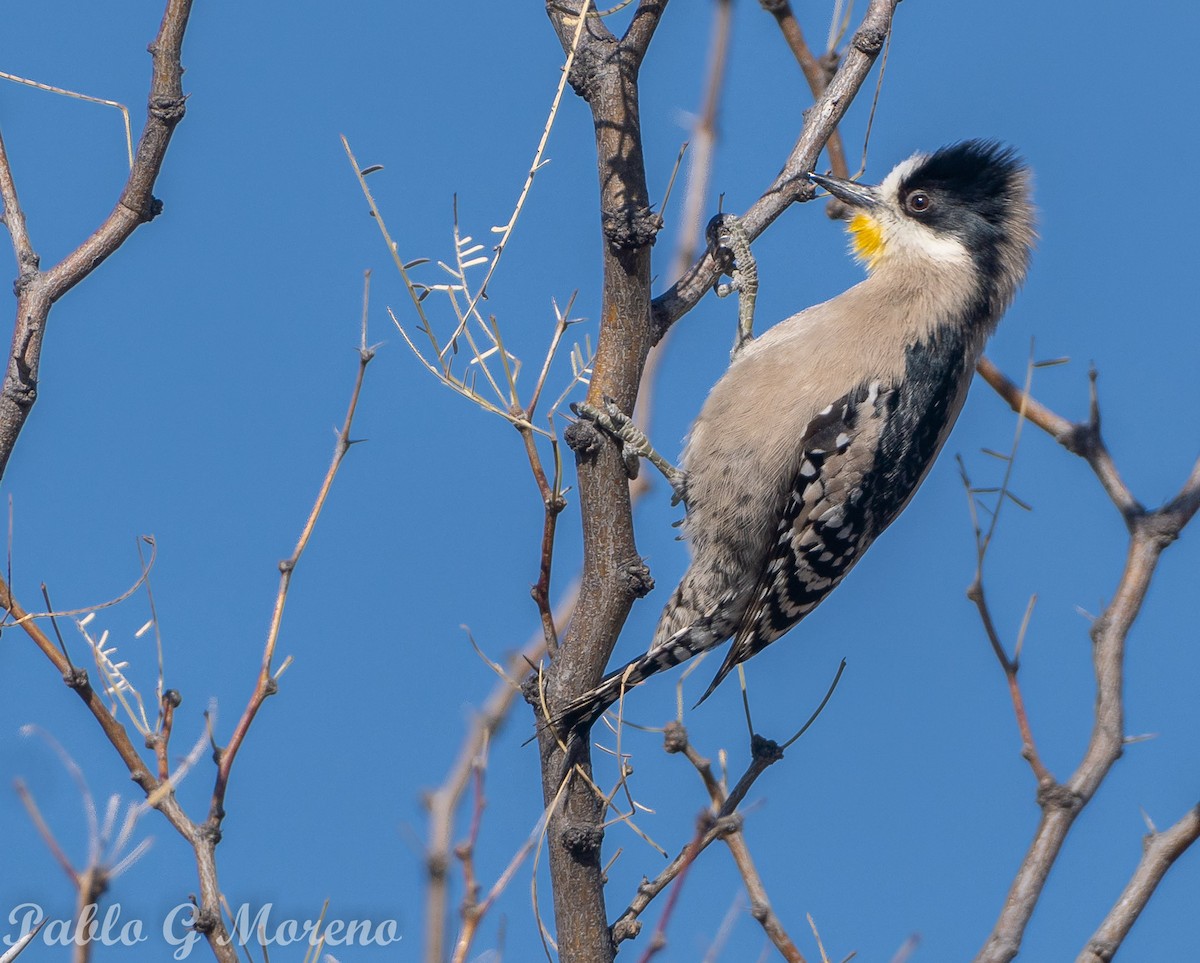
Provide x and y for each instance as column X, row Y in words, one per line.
column 691, row 623
column 748, row 641
column 587, row 708
column 728, row 666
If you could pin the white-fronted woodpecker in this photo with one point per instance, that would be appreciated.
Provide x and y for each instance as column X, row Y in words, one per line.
column 820, row 432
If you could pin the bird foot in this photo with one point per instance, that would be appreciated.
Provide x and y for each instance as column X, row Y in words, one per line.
column 729, row 245
column 610, row 419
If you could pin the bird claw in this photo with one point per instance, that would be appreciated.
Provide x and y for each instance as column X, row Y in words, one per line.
column 610, row 419
column 729, row 245
column 613, row 422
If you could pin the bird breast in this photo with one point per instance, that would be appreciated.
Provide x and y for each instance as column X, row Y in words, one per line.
column 745, row 443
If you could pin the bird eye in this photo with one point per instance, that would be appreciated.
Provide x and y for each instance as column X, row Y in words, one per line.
column 918, row 202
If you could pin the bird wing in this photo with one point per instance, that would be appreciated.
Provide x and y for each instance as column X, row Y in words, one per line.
column 826, row 520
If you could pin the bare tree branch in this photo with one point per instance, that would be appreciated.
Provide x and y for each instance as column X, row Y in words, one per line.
column 641, row 29
column 1159, row 852
column 816, row 72
column 14, row 219
column 160, row 795
column 791, row 185
column 38, row 290
column 604, row 74
column 160, row 792
column 1079, row 438
column 976, row 592
column 1150, row 533
column 658, row 940
column 444, row 801
column 723, row 822
column 267, row 684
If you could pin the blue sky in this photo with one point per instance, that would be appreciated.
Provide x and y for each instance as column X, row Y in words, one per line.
column 190, row 385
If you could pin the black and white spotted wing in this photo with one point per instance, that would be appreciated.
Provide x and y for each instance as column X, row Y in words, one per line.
column 863, row 459
column 826, row 524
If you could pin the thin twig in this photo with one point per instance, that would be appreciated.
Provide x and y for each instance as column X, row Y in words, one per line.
column 267, row 678
column 722, row 822
column 159, row 794
column 628, row 925
column 52, row 614
column 77, row 680
column 508, row 407
column 1079, row 438
column 760, row 904
column 49, row 88
column 562, row 320
column 1010, row 665
column 169, row 703
column 21, row 942
column 717, row 945
column 479, row 911
column 14, row 218
column 506, row 231
column 553, row 504
column 93, row 881
column 907, row 949
column 816, row 72
column 442, row 803
column 659, row 940
column 44, row 831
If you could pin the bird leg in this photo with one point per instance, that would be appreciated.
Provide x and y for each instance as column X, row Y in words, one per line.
column 730, row 247
column 634, row 443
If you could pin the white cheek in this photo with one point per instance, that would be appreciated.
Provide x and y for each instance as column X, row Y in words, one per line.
column 905, row 236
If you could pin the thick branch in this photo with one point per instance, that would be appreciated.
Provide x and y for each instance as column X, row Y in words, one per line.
column 444, row 802
column 604, row 74
column 641, row 29
column 37, row 290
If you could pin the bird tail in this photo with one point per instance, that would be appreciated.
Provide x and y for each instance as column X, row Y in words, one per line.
column 728, row 666
column 587, row 708
column 685, row 629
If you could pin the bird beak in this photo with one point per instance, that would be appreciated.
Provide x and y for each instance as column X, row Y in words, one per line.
column 854, row 194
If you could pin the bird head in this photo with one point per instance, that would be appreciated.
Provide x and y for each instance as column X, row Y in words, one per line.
column 967, row 203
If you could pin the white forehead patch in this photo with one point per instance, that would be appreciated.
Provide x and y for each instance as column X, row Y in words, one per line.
column 890, row 188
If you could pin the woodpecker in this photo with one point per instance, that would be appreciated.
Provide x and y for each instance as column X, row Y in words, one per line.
column 821, row 430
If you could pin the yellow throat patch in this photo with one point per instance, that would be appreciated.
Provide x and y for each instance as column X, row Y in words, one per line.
column 866, row 238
